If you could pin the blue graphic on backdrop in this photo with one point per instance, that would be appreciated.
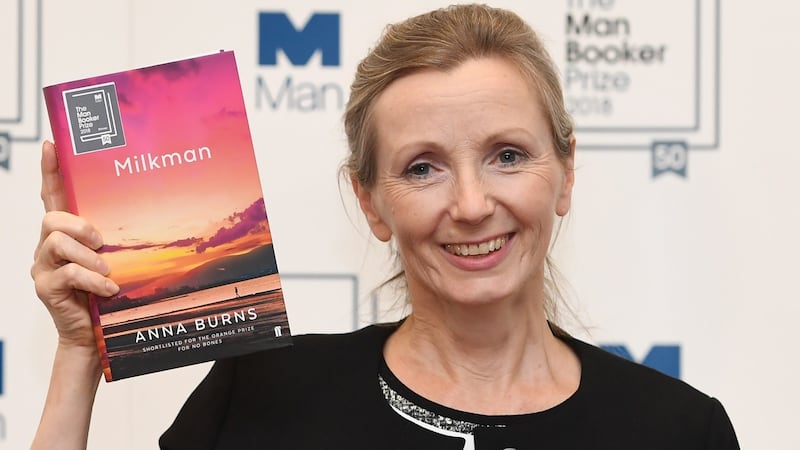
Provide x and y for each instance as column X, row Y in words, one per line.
column 277, row 32
column 670, row 157
column 664, row 358
column 295, row 88
column 20, row 119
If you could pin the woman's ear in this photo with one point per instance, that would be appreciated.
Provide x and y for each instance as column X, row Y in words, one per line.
column 565, row 193
column 367, row 203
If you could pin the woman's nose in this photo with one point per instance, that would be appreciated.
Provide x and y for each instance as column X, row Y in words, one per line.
column 472, row 201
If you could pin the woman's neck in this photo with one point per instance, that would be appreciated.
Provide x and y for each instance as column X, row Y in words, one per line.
column 483, row 359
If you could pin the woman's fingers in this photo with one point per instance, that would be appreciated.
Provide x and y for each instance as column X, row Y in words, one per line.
column 53, row 195
column 63, row 264
column 64, row 272
column 73, row 226
column 59, row 285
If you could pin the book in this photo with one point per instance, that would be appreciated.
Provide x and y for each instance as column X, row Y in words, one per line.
column 160, row 159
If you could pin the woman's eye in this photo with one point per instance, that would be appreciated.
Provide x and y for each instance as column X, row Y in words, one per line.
column 419, row 170
column 509, row 157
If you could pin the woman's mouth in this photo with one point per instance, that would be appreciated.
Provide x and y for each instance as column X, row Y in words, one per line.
column 477, row 249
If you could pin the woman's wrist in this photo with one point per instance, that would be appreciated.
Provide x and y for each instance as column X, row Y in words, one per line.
column 79, row 360
column 70, row 398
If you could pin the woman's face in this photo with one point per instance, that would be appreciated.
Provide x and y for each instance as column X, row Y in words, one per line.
column 468, row 183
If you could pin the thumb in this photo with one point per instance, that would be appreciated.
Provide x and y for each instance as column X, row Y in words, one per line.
column 53, row 195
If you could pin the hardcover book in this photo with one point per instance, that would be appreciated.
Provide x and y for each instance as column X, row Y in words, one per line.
column 160, row 159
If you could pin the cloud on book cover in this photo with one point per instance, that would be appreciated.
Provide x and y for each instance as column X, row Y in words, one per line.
column 252, row 219
column 226, row 113
column 123, row 99
column 111, row 248
column 188, row 242
column 172, row 71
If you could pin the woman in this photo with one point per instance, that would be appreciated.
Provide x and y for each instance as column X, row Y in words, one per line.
column 462, row 154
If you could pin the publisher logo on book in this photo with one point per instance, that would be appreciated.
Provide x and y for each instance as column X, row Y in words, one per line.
column 94, row 118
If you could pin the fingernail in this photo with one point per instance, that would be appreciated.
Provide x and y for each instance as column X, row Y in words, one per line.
column 111, row 287
column 97, row 240
column 102, row 266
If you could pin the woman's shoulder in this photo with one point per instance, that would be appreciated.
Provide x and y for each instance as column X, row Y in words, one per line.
column 628, row 392
column 367, row 337
column 324, row 347
column 309, row 355
column 614, row 374
column 319, row 375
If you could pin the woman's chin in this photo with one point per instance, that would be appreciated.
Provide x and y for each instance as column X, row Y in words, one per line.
column 481, row 296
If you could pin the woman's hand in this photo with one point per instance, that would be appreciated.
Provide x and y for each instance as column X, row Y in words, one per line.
column 66, row 265
column 65, row 268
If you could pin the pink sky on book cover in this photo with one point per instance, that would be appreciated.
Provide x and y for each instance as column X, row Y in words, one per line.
column 184, row 215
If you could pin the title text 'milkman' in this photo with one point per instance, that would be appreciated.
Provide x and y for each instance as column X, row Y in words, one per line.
column 147, row 162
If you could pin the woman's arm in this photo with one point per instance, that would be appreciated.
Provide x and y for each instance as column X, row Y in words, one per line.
column 68, row 408
column 65, row 268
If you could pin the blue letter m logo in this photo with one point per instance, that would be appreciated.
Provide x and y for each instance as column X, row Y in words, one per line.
column 664, row 358
column 276, row 31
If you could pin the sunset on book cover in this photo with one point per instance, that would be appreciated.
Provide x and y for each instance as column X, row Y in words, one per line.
column 161, row 161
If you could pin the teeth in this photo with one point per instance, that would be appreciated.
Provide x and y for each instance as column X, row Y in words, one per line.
column 484, row 248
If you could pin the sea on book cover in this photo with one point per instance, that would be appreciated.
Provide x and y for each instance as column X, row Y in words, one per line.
column 160, row 159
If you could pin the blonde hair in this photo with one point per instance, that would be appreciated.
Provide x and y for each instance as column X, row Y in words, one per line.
column 444, row 39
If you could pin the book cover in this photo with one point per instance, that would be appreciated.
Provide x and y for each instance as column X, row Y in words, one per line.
column 160, row 159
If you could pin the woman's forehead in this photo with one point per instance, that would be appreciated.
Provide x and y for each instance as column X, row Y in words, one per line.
column 480, row 97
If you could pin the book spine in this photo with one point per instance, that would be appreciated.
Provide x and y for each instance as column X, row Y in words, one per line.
column 57, row 115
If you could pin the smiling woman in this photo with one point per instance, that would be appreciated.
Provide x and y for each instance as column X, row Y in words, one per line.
column 465, row 158
column 461, row 152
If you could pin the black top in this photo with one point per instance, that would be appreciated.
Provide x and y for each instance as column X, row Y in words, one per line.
column 324, row 393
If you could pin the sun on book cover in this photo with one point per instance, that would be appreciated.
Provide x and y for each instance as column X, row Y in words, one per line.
column 161, row 161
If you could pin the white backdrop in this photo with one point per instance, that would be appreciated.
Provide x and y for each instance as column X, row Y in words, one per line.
column 699, row 259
